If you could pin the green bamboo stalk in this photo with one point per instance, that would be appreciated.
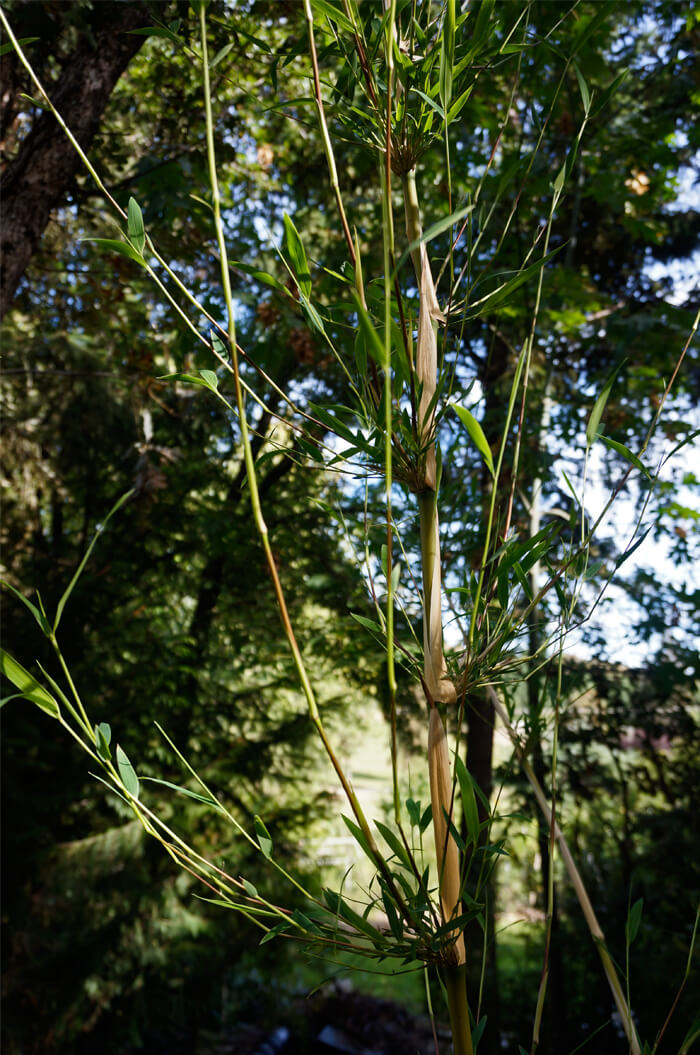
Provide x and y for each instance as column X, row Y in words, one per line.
column 456, row 989
column 437, row 682
column 388, row 250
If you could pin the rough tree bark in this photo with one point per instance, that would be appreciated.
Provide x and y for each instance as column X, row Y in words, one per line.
column 36, row 181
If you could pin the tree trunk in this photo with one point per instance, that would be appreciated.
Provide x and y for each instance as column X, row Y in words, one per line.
column 47, row 162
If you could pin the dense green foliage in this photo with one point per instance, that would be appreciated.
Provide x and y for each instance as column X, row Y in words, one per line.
column 174, row 619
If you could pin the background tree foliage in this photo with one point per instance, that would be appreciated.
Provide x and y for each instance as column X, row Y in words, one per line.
column 172, row 620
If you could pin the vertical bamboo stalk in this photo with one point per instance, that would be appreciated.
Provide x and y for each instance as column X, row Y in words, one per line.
column 445, row 846
column 438, row 684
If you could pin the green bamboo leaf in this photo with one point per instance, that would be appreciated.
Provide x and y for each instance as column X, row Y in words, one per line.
column 358, row 835
column 29, row 688
column 634, row 918
column 447, row 54
column 218, row 345
column 115, row 246
column 560, row 180
column 249, row 888
column 476, row 434
column 689, row 1039
column 5, row 49
column 395, row 922
column 205, row 799
column 431, row 102
column 491, row 300
column 583, row 88
column 369, row 624
column 482, row 28
column 628, row 552
column 599, row 407
column 469, row 806
column 38, row 615
column 603, row 97
column 127, row 773
column 38, row 103
column 297, row 256
column 258, row 275
column 478, row 1030
column 190, row 379
column 434, row 230
column 341, row 908
column 220, row 55
column 305, row 922
column 264, row 838
column 280, row 928
column 373, row 343
column 210, row 379
column 103, row 735
column 157, row 31
column 395, row 577
column 325, row 7
column 310, row 314
column 459, row 104
column 457, row 923
column 135, row 228
column 413, row 808
column 396, row 845
column 626, row 454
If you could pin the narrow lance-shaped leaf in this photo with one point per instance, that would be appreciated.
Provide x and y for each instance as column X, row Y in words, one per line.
column 218, row 345
column 469, row 806
column 127, row 773
column 115, row 246
column 38, row 615
column 297, row 256
column 29, row 687
column 135, row 228
column 626, row 453
column 103, row 735
column 599, row 407
column 395, row 843
column 6, row 48
column 447, row 54
column 264, row 838
column 633, row 921
column 434, row 230
column 205, row 799
column 583, row 88
column 476, row 434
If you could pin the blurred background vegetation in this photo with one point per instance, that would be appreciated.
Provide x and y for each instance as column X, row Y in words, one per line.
column 106, row 947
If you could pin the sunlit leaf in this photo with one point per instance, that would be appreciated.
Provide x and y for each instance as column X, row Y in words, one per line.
column 29, row 687
column 127, row 773
column 626, row 453
column 264, row 838
column 598, row 408
column 297, row 256
column 476, row 434
column 115, row 246
column 135, row 228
